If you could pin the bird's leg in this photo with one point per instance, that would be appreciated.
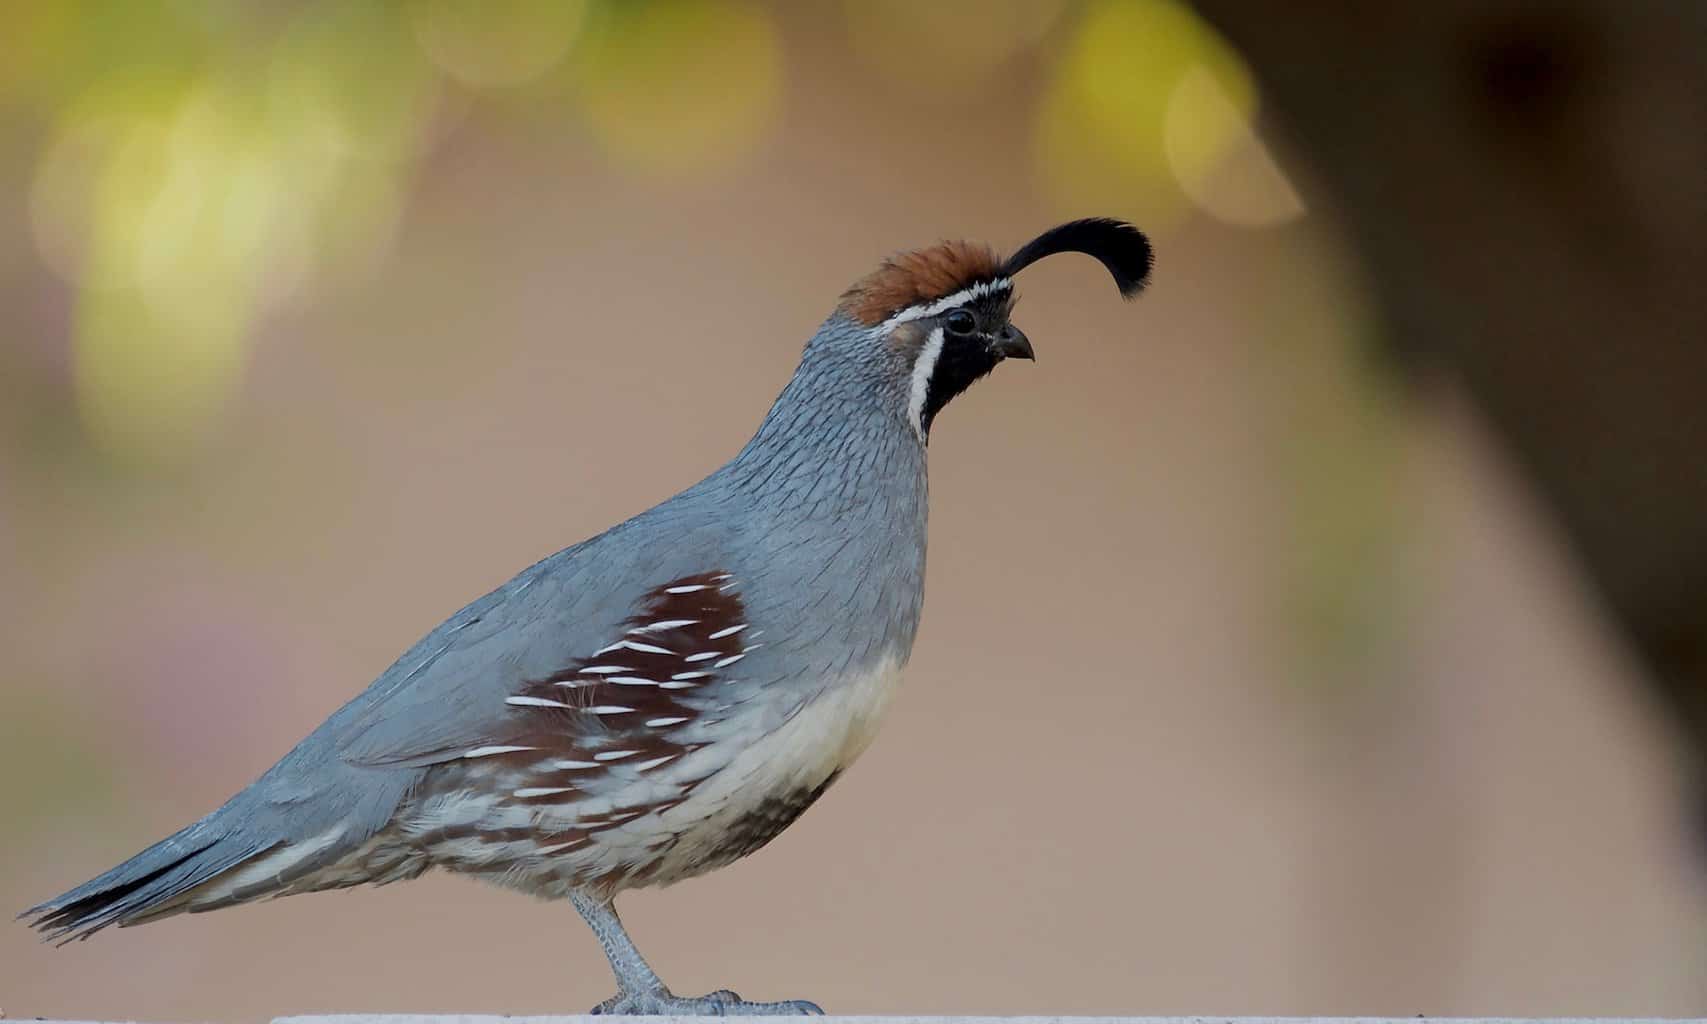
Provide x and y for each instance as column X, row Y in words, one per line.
column 641, row 992
column 634, row 976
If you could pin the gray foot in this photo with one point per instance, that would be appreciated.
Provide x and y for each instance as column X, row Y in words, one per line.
column 722, row 1003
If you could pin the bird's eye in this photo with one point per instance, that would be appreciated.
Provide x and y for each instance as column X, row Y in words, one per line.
column 960, row 322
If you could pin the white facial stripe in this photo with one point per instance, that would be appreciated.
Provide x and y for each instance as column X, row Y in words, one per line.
column 943, row 305
column 922, row 370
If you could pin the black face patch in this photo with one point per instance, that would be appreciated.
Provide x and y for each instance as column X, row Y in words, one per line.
column 964, row 357
column 962, row 362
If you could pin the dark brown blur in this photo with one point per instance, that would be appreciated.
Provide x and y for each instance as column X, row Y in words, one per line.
column 1249, row 681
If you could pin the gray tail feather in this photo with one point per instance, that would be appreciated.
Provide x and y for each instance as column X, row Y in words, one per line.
column 142, row 887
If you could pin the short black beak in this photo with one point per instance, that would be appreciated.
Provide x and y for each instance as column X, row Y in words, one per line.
column 1012, row 343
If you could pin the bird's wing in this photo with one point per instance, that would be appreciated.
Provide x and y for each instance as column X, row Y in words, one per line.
column 521, row 673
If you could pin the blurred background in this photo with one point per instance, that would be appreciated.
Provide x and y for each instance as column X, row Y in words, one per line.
column 322, row 317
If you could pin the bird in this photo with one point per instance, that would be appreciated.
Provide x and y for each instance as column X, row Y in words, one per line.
column 663, row 698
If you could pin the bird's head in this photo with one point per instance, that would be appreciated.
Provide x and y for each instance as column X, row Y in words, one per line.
column 940, row 314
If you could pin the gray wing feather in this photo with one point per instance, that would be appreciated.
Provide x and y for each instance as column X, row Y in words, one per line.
column 446, row 695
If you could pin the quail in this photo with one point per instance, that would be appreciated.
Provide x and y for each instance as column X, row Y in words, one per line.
column 661, row 699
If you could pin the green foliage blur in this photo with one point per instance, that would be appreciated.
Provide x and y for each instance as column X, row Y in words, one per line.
column 203, row 163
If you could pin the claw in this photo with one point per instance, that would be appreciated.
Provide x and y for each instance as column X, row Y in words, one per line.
column 722, row 1003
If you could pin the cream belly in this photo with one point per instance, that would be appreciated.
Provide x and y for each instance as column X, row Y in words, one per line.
column 774, row 778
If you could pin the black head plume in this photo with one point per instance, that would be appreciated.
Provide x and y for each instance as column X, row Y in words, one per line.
column 1117, row 245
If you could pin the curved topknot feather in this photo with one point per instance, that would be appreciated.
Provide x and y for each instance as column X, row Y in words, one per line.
column 1117, row 245
column 922, row 276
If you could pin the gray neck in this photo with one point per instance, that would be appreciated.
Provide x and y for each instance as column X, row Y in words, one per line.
column 834, row 484
column 837, row 443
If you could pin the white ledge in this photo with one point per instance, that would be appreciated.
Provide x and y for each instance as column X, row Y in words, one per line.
column 471, row 1018
column 477, row 1018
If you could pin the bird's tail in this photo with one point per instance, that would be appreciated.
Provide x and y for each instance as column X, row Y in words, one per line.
column 157, row 882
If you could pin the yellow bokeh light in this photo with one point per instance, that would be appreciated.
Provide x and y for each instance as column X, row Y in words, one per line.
column 149, row 391
column 59, row 196
column 351, row 96
column 500, row 43
column 177, row 222
column 1104, row 134
column 1220, row 162
column 183, row 205
column 355, row 72
column 37, row 35
column 685, row 85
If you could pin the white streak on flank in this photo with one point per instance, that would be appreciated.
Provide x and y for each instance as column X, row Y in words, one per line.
column 655, row 762
column 489, row 751
column 569, row 766
column 687, row 588
column 659, row 723
column 614, row 755
column 604, row 670
column 946, row 303
column 659, row 626
column 543, row 791
column 608, row 709
column 690, row 675
column 724, row 663
column 701, row 656
column 720, row 577
column 535, row 702
column 929, row 352
column 677, row 684
column 632, row 645
column 631, row 681
column 570, row 845
column 731, row 631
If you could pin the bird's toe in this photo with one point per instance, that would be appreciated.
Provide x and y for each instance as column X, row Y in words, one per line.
column 722, row 1003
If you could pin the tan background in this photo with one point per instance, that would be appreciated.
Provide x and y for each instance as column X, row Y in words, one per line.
column 1247, row 684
